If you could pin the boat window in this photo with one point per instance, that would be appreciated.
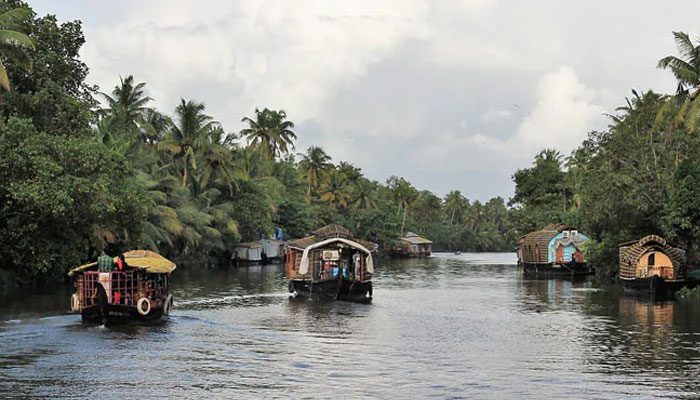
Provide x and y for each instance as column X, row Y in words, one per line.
column 652, row 259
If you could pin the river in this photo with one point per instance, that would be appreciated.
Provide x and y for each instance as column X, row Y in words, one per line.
column 453, row 326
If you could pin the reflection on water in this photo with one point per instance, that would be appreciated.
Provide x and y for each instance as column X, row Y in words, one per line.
column 466, row 325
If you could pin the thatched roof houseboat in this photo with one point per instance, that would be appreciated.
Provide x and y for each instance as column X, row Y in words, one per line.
column 555, row 249
column 652, row 265
column 133, row 285
column 330, row 263
column 413, row 246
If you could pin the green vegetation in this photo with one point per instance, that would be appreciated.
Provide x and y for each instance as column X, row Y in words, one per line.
column 83, row 170
column 641, row 176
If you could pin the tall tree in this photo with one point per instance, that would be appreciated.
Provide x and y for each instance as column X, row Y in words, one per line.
column 314, row 166
column 13, row 42
column 271, row 131
column 191, row 133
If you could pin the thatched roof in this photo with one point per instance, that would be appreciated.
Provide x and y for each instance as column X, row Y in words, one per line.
column 414, row 238
column 631, row 252
column 327, row 232
column 332, row 230
column 535, row 245
column 142, row 259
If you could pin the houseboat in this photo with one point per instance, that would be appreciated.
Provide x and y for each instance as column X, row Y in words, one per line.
column 137, row 287
column 412, row 246
column 652, row 265
column 554, row 250
column 330, row 264
column 259, row 251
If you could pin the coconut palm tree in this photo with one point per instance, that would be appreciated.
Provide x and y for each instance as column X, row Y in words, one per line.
column 454, row 204
column 314, row 166
column 13, row 43
column 404, row 194
column 271, row 131
column 126, row 105
column 337, row 191
column 685, row 68
column 191, row 133
column 364, row 195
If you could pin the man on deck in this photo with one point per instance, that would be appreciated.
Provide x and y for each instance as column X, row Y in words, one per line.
column 104, row 262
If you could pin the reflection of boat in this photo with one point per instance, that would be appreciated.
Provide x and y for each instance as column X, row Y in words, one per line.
column 651, row 265
column 554, row 250
column 138, row 290
column 331, row 264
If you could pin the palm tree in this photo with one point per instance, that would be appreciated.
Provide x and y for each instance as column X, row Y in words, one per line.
column 271, row 131
column 454, row 203
column 13, row 44
column 686, row 68
column 337, row 191
column 189, row 135
column 404, row 194
column 364, row 195
column 314, row 165
column 127, row 105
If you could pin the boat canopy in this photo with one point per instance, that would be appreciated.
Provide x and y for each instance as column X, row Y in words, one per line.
column 304, row 267
column 146, row 260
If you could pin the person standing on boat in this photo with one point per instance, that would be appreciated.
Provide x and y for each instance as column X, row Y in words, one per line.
column 104, row 262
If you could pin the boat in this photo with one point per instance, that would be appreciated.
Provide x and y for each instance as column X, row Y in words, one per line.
column 138, row 290
column 330, row 264
column 412, row 245
column 650, row 265
column 555, row 250
column 260, row 251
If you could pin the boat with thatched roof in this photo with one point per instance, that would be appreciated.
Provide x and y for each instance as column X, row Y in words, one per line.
column 137, row 286
column 554, row 250
column 331, row 263
column 412, row 245
column 652, row 265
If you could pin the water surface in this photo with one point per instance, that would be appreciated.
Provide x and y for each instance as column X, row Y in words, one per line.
column 453, row 326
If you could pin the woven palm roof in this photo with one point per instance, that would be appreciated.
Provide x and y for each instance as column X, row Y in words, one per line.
column 141, row 259
column 327, row 232
column 631, row 252
column 415, row 238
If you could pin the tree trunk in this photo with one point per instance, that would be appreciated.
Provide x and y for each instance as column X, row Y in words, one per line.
column 403, row 222
column 184, row 178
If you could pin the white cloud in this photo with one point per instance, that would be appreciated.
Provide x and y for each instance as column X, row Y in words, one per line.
column 281, row 54
column 565, row 111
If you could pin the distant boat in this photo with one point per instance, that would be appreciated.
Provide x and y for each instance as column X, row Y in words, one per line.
column 458, row 252
column 331, row 264
column 259, row 251
column 412, row 246
column 651, row 265
column 139, row 290
column 554, row 250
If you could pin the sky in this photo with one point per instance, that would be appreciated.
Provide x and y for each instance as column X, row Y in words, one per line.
column 449, row 94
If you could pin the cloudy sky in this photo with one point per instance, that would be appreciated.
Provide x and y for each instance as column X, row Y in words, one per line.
column 450, row 94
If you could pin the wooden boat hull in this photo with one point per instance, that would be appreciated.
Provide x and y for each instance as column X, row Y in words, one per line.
column 114, row 314
column 554, row 270
column 334, row 289
column 655, row 285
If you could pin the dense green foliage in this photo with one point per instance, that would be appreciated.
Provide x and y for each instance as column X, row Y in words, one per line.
column 641, row 176
column 83, row 170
